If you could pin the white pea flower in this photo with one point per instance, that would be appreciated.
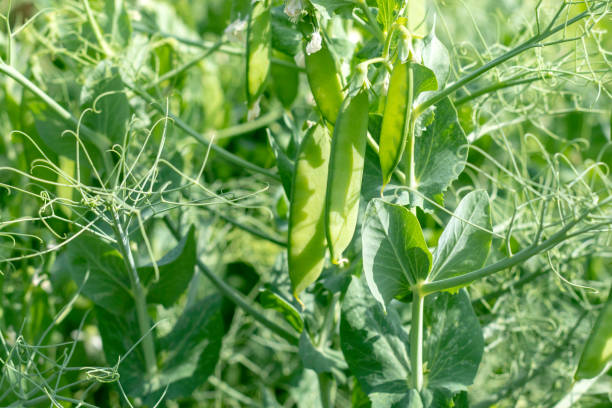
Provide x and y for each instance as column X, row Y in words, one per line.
column 294, row 9
column 314, row 44
column 236, row 31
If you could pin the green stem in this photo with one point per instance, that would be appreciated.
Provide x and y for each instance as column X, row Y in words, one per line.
column 251, row 230
column 242, row 128
column 96, row 29
column 237, row 298
column 533, row 42
column 416, row 339
column 240, row 162
column 139, row 292
column 493, row 88
column 506, row 263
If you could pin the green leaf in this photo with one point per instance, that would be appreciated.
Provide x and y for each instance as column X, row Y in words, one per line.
column 435, row 57
column 329, row 7
column 176, row 269
column 104, row 91
column 387, row 12
column 374, row 343
column 270, row 300
column 320, row 360
column 463, row 247
column 440, row 151
column 454, row 344
column 108, row 281
column 188, row 354
column 417, row 11
column 395, row 255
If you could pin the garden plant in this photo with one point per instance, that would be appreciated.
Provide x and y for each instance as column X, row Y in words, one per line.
column 305, row 203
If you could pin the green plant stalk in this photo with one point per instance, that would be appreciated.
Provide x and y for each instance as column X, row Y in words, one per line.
column 237, row 298
column 533, row 42
column 96, row 29
column 139, row 292
column 247, row 127
column 416, row 339
column 326, row 390
column 519, row 257
column 495, row 87
column 250, row 230
column 240, row 162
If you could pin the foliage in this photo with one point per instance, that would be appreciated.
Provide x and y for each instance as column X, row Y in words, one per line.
column 305, row 203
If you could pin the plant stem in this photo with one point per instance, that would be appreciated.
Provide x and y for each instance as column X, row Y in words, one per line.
column 533, row 42
column 242, row 128
column 237, row 298
column 96, row 29
column 506, row 263
column 251, row 230
column 190, row 131
column 139, row 292
column 416, row 339
column 495, row 87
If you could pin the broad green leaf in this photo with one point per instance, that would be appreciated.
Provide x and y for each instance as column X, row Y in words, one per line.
column 387, row 12
column 271, row 300
column 464, row 245
column 306, row 244
column 406, row 78
column 187, row 355
column 597, row 353
column 105, row 93
column 328, row 7
column 435, row 57
column 395, row 255
column 285, row 80
column 453, row 342
column 108, row 284
column 440, row 152
column 176, row 269
column 320, row 360
column 374, row 343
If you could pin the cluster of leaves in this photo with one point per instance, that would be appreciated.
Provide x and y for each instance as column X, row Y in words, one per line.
column 148, row 165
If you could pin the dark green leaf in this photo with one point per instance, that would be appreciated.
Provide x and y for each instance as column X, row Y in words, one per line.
column 285, row 37
column 108, row 282
column 440, row 151
column 395, row 255
column 176, row 269
column 453, row 345
column 374, row 343
column 320, row 360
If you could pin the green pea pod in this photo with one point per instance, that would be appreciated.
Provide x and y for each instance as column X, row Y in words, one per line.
column 395, row 119
column 259, row 44
column 345, row 173
column 407, row 81
column 285, row 80
column 306, row 244
column 597, row 353
column 324, row 82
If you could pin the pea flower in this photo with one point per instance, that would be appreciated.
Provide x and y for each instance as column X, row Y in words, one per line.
column 314, row 44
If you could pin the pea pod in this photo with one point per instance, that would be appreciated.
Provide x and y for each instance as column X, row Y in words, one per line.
column 324, row 82
column 395, row 119
column 597, row 353
column 306, row 244
column 259, row 44
column 407, row 81
column 345, row 173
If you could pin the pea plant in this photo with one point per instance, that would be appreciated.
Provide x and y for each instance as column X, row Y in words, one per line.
column 389, row 203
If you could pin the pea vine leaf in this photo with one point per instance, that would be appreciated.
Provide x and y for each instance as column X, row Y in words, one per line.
column 454, row 344
column 395, row 255
column 376, row 348
column 107, row 283
column 176, row 270
column 190, row 351
column 440, row 152
column 435, row 56
column 465, row 243
column 321, row 360
column 373, row 342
